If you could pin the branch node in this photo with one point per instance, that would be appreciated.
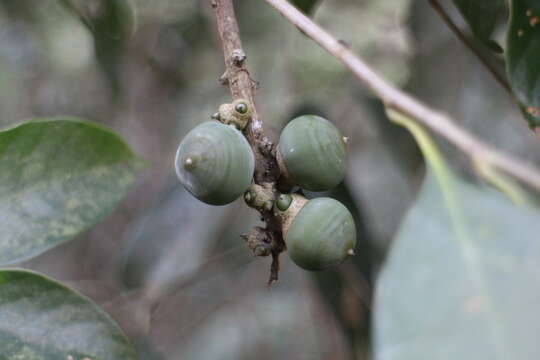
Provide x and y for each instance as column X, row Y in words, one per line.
column 259, row 241
column 344, row 43
column 224, row 79
column 259, row 196
column 238, row 57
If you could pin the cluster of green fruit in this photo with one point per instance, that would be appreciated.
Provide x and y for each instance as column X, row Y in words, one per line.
column 215, row 163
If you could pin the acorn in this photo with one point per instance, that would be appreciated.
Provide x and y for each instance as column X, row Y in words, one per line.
column 318, row 233
column 215, row 163
column 312, row 153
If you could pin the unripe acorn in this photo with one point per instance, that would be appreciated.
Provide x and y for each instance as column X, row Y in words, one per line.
column 318, row 233
column 312, row 153
column 215, row 163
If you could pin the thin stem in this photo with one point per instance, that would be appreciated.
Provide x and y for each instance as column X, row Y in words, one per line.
column 468, row 43
column 440, row 168
column 237, row 76
column 393, row 97
column 241, row 85
column 503, row 183
column 430, row 151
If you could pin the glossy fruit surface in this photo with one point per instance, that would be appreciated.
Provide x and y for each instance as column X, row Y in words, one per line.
column 312, row 153
column 215, row 163
column 322, row 234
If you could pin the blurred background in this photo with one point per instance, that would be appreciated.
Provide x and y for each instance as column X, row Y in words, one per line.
column 173, row 271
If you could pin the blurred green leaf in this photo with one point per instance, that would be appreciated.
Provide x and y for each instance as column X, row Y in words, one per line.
column 306, row 6
column 72, row 8
column 42, row 319
column 147, row 351
column 523, row 52
column 112, row 27
column 461, row 278
column 469, row 293
column 112, row 23
column 57, row 178
column 482, row 18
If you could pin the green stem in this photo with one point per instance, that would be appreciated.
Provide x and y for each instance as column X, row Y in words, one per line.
column 432, row 154
column 503, row 183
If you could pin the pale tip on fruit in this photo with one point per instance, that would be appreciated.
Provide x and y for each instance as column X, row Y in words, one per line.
column 189, row 164
column 351, row 252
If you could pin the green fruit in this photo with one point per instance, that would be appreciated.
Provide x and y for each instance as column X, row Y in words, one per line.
column 312, row 153
column 319, row 233
column 215, row 163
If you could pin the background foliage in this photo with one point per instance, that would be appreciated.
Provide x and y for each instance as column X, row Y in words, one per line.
column 173, row 273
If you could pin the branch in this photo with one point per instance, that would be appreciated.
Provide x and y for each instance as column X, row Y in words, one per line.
column 241, row 85
column 468, row 43
column 392, row 97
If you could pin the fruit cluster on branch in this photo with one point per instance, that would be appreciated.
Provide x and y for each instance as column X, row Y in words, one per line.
column 221, row 160
column 242, row 86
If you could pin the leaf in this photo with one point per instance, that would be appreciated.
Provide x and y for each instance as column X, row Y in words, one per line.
column 111, row 27
column 70, row 6
column 442, row 295
column 307, row 6
column 461, row 279
column 523, row 52
column 482, row 18
column 57, row 178
column 41, row 319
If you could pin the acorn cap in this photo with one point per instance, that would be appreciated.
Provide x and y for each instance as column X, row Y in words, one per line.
column 286, row 207
column 215, row 163
column 312, row 153
column 321, row 234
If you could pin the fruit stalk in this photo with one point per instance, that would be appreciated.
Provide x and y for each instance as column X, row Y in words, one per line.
column 242, row 86
column 237, row 77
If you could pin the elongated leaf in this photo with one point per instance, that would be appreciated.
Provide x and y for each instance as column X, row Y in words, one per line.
column 111, row 28
column 482, row 18
column 57, row 178
column 523, row 52
column 461, row 286
column 41, row 319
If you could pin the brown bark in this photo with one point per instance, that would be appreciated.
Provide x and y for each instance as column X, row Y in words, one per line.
column 242, row 86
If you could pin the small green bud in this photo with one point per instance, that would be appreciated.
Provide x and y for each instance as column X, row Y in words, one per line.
column 241, row 107
column 283, row 202
column 236, row 114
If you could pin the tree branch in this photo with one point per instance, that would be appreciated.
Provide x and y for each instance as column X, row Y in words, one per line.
column 468, row 43
column 392, row 97
column 241, row 85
